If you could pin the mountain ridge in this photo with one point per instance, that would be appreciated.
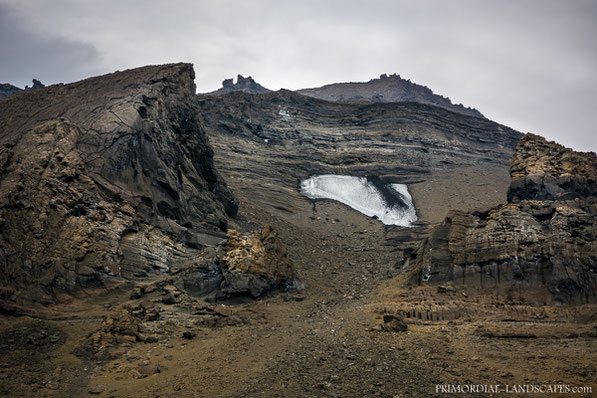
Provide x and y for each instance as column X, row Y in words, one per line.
column 392, row 88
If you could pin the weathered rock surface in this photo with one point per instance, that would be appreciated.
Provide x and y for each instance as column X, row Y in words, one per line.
column 257, row 263
column 251, row 265
column 544, row 170
column 540, row 247
column 104, row 178
column 391, row 88
column 244, row 84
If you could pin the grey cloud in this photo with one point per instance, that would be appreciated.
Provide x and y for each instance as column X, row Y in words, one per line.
column 527, row 63
column 26, row 54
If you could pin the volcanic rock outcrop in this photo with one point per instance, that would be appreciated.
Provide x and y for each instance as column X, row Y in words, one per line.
column 245, row 265
column 104, row 178
column 391, row 88
column 257, row 263
column 7, row 89
column 244, row 84
column 541, row 247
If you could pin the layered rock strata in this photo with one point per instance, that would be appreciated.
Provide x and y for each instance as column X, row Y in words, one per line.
column 266, row 144
column 104, row 178
column 539, row 247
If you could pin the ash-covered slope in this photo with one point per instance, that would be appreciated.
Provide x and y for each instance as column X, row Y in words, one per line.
column 244, row 84
column 107, row 177
column 540, row 247
column 266, row 144
column 391, row 88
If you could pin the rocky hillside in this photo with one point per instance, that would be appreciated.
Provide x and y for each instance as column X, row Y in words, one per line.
column 266, row 144
column 391, row 88
column 105, row 178
column 540, row 247
column 244, row 84
column 7, row 89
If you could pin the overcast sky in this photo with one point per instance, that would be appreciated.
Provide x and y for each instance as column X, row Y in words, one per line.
column 529, row 64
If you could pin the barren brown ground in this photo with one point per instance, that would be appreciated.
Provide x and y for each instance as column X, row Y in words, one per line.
column 325, row 340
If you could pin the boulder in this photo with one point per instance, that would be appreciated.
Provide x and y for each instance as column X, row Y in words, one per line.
column 257, row 263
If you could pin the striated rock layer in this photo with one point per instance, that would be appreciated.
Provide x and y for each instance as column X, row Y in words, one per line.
column 541, row 246
column 265, row 145
column 104, row 178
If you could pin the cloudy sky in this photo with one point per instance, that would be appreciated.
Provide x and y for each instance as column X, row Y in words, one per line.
column 529, row 64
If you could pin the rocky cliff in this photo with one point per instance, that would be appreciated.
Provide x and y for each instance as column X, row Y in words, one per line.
column 391, row 88
column 244, row 84
column 540, row 247
column 105, row 178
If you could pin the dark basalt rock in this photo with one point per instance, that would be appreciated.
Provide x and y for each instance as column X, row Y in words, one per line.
column 7, row 89
column 244, row 84
column 540, row 247
column 250, row 266
column 105, row 178
column 35, row 86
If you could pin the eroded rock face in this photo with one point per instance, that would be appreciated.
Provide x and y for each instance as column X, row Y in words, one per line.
column 105, row 178
column 244, row 84
column 256, row 264
column 544, row 170
column 541, row 247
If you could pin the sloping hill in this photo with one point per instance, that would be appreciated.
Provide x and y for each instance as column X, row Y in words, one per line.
column 391, row 88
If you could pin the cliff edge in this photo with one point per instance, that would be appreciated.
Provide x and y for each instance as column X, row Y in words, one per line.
column 110, row 177
column 540, row 247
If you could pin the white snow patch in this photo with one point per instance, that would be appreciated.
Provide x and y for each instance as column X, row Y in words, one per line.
column 285, row 115
column 361, row 195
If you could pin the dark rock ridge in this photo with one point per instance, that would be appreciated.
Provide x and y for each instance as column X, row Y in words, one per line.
column 7, row 89
column 540, row 247
column 244, row 84
column 105, row 178
column 391, row 88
